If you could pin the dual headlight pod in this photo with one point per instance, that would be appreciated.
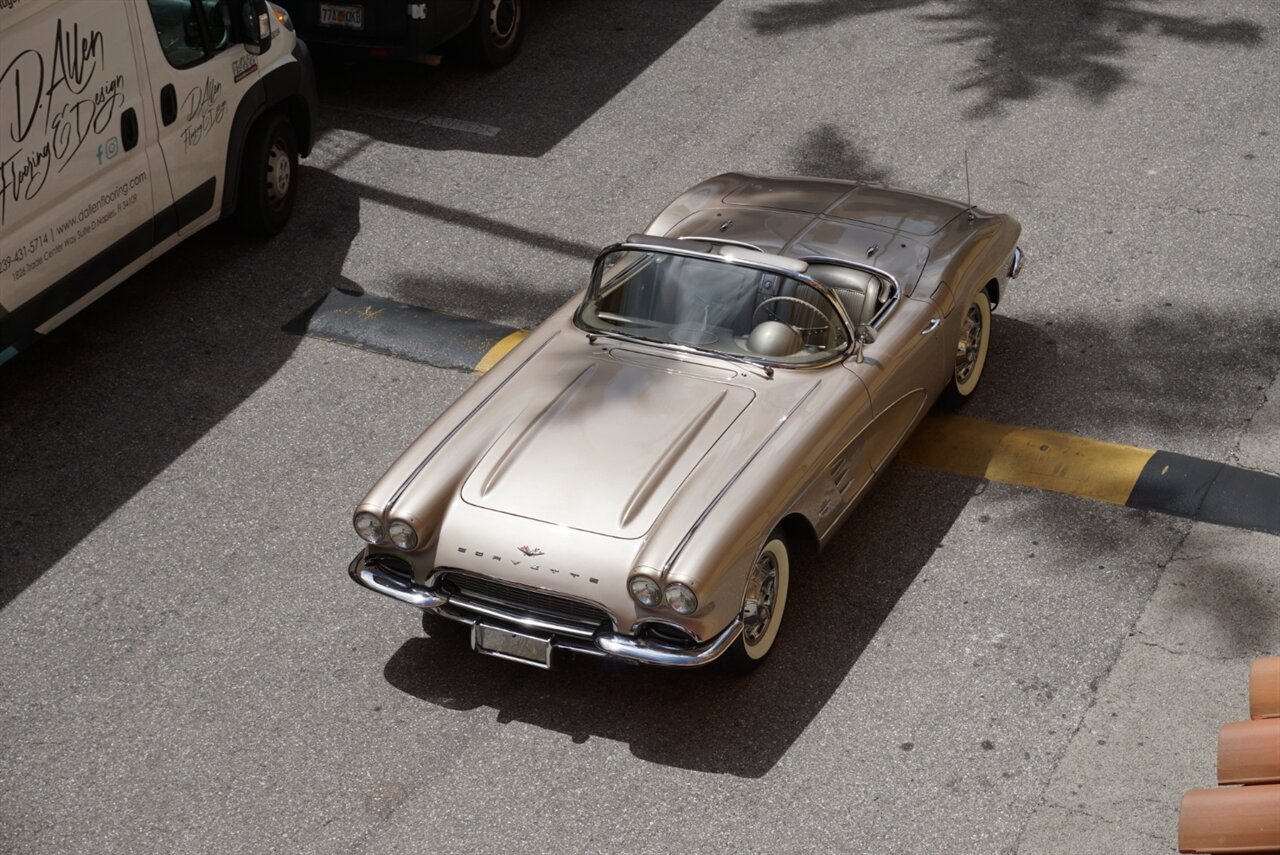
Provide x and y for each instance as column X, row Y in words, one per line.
column 370, row 529
column 645, row 591
column 402, row 534
column 678, row 596
column 681, row 598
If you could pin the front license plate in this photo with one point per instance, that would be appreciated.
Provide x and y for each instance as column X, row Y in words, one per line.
column 351, row 17
column 508, row 644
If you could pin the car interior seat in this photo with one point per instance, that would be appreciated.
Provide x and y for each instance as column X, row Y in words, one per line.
column 858, row 290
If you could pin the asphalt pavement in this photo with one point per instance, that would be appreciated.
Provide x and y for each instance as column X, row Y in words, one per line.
column 970, row 666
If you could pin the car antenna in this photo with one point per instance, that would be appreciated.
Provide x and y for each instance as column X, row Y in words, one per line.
column 968, row 193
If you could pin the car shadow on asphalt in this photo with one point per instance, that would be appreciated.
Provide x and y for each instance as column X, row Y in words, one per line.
column 577, row 56
column 105, row 403
column 707, row 720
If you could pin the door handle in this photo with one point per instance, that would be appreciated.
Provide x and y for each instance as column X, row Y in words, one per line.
column 128, row 129
column 168, row 104
column 931, row 326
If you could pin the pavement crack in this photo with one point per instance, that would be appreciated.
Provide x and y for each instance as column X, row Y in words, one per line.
column 1197, row 210
column 1234, row 454
column 1195, row 653
column 1096, row 688
column 1110, row 821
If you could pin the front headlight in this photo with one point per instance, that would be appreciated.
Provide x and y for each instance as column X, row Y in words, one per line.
column 368, row 526
column 681, row 598
column 402, row 534
column 645, row 591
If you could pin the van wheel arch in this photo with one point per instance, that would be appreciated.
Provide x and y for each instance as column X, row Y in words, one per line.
column 252, row 110
column 268, row 176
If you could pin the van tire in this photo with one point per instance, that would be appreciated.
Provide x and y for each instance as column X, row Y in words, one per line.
column 493, row 37
column 268, row 176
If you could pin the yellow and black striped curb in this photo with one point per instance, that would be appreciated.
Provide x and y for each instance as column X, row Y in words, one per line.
column 1143, row 478
column 409, row 332
column 1134, row 477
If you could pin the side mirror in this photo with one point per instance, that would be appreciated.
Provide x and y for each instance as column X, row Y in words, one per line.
column 256, row 19
column 863, row 334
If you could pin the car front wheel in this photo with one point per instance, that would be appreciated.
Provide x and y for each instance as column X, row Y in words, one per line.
column 970, row 352
column 763, row 604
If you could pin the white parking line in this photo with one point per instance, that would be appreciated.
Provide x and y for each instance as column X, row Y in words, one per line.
column 431, row 119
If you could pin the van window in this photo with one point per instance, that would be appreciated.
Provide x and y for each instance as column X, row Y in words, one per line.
column 191, row 31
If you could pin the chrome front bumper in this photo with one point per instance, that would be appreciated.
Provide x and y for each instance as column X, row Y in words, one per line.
column 563, row 636
column 1015, row 266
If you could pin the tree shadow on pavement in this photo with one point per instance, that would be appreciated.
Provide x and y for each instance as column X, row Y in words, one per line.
column 707, row 720
column 1024, row 45
column 577, row 56
column 826, row 151
column 1192, row 375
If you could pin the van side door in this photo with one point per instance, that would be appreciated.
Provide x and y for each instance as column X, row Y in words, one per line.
column 199, row 73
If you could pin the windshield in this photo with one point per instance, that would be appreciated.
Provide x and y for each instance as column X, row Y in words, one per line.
column 713, row 305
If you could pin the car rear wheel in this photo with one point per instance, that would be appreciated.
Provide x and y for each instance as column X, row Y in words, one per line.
column 268, row 176
column 763, row 604
column 971, row 351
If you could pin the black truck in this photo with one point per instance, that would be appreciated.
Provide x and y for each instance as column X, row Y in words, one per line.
column 485, row 31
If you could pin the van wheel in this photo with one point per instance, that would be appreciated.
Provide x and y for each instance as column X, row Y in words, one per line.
column 268, row 176
column 494, row 35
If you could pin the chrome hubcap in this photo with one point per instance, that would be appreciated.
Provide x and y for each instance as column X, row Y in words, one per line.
column 278, row 173
column 762, row 590
column 969, row 345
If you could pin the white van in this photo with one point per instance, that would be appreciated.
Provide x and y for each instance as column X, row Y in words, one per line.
column 125, row 126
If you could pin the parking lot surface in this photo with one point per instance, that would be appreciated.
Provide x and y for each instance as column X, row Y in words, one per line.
column 971, row 666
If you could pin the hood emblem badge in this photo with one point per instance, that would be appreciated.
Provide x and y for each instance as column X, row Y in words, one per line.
column 532, row 552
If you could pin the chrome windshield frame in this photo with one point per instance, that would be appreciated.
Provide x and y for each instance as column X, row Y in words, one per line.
column 721, row 241
column 669, row 246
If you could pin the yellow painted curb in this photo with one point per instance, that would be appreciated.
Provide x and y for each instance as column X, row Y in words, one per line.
column 1045, row 460
column 499, row 350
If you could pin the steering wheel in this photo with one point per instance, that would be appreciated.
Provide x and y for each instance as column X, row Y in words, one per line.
column 804, row 331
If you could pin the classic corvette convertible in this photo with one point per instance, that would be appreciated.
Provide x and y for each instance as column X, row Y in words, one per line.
column 636, row 479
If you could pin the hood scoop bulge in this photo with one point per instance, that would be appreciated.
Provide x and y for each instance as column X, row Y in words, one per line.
column 606, row 451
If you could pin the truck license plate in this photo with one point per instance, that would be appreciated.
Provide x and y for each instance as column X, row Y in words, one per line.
column 351, row 17
column 509, row 644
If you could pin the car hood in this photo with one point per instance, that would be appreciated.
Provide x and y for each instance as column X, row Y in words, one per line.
column 606, row 450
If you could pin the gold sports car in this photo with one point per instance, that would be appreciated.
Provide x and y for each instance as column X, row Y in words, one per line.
column 634, row 480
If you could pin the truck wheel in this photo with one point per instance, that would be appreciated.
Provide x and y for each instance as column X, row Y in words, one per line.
column 268, row 176
column 494, row 35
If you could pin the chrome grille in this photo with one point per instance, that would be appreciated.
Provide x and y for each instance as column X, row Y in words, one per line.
column 522, row 600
